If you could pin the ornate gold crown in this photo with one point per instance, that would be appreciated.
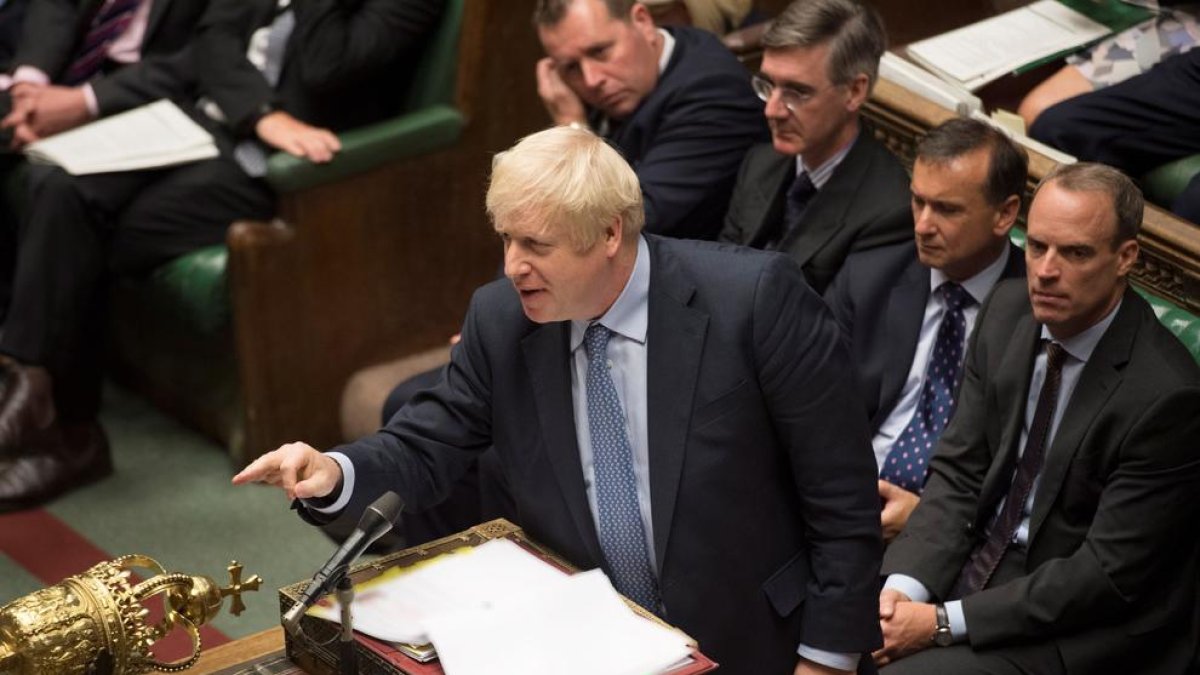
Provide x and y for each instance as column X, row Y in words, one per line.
column 96, row 621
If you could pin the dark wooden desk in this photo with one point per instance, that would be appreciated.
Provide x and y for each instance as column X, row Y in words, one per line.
column 239, row 651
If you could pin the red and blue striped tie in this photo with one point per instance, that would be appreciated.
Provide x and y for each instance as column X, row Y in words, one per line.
column 109, row 23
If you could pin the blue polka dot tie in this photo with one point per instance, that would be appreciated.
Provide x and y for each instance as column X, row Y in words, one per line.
column 908, row 460
column 621, row 533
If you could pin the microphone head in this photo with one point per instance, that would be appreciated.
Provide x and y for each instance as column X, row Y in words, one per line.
column 380, row 516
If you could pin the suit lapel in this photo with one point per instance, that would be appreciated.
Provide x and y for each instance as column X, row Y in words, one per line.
column 771, row 194
column 905, row 312
column 157, row 9
column 674, row 343
column 1099, row 379
column 1014, row 372
column 826, row 214
column 548, row 359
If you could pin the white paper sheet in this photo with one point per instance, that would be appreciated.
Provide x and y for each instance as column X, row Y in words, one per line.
column 154, row 135
column 582, row 628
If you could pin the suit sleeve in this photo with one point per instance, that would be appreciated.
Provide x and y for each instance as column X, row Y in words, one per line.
column 48, row 36
column 432, row 441
column 806, row 377
column 339, row 44
column 170, row 76
column 734, row 231
column 698, row 146
column 225, row 75
column 1146, row 505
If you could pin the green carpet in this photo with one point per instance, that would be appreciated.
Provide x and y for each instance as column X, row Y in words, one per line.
column 171, row 499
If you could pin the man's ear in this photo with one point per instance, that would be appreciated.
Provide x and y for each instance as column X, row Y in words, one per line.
column 614, row 235
column 857, row 91
column 1127, row 254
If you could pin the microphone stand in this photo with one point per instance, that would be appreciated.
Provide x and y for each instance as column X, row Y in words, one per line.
column 348, row 658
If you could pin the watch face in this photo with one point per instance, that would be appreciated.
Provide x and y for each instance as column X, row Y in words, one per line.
column 943, row 638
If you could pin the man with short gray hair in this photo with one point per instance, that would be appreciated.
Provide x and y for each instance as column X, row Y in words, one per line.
column 673, row 412
column 823, row 187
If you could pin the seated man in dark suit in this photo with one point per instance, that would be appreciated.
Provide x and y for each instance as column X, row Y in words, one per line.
column 1059, row 530
column 688, row 395
column 909, row 308
column 823, row 188
column 1135, row 125
column 674, row 101
column 273, row 76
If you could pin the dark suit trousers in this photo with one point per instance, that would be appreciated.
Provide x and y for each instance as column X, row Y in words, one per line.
column 76, row 231
column 1136, row 125
column 1034, row 659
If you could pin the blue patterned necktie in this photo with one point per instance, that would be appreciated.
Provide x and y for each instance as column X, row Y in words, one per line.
column 621, row 533
column 908, row 461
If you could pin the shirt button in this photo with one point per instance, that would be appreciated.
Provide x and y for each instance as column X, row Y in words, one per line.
column 610, row 364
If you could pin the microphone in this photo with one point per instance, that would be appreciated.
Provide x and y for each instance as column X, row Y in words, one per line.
column 377, row 519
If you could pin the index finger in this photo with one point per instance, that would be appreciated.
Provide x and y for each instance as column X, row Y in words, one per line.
column 258, row 470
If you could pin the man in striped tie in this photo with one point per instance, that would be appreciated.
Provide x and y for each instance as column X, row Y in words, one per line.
column 77, row 61
column 275, row 75
column 1059, row 530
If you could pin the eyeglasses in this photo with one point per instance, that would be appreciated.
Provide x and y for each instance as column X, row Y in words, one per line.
column 792, row 99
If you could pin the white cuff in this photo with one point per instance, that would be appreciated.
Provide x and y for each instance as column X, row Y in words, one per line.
column 835, row 660
column 909, row 586
column 347, row 485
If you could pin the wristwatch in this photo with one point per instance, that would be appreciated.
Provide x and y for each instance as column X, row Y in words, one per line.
column 941, row 636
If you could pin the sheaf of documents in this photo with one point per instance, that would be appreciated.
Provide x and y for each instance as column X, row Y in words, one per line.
column 155, row 135
column 977, row 54
column 497, row 609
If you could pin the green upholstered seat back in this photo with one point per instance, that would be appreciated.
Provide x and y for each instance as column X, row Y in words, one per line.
column 434, row 81
column 1163, row 185
column 1184, row 324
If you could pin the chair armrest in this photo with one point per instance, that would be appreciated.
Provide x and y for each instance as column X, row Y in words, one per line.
column 408, row 135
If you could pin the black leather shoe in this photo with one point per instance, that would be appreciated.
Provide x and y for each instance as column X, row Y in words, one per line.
column 57, row 460
column 26, row 405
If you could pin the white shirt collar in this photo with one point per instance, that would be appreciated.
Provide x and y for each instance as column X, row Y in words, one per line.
column 820, row 175
column 1082, row 345
column 979, row 285
column 668, row 48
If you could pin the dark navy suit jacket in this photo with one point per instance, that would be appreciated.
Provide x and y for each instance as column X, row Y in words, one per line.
column 879, row 300
column 688, row 136
column 763, row 500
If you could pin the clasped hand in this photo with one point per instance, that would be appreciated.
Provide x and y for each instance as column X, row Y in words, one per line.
column 907, row 626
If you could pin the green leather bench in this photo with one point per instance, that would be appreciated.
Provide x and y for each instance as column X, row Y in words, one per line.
column 173, row 335
column 1163, row 185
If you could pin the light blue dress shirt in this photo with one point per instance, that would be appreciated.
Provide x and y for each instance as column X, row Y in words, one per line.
column 978, row 288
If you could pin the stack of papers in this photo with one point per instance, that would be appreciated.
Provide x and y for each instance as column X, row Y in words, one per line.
column 497, row 609
column 152, row 136
column 982, row 52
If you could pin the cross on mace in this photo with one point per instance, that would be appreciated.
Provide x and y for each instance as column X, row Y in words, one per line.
column 237, row 587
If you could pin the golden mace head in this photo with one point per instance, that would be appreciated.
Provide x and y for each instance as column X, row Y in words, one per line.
column 95, row 621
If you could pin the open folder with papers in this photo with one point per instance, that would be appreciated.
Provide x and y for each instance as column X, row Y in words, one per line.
column 982, row 52
column 155, row 135
column 490, row 601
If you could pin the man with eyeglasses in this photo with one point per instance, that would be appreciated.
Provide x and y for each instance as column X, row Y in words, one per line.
column 674, row 101
column 823, row 187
